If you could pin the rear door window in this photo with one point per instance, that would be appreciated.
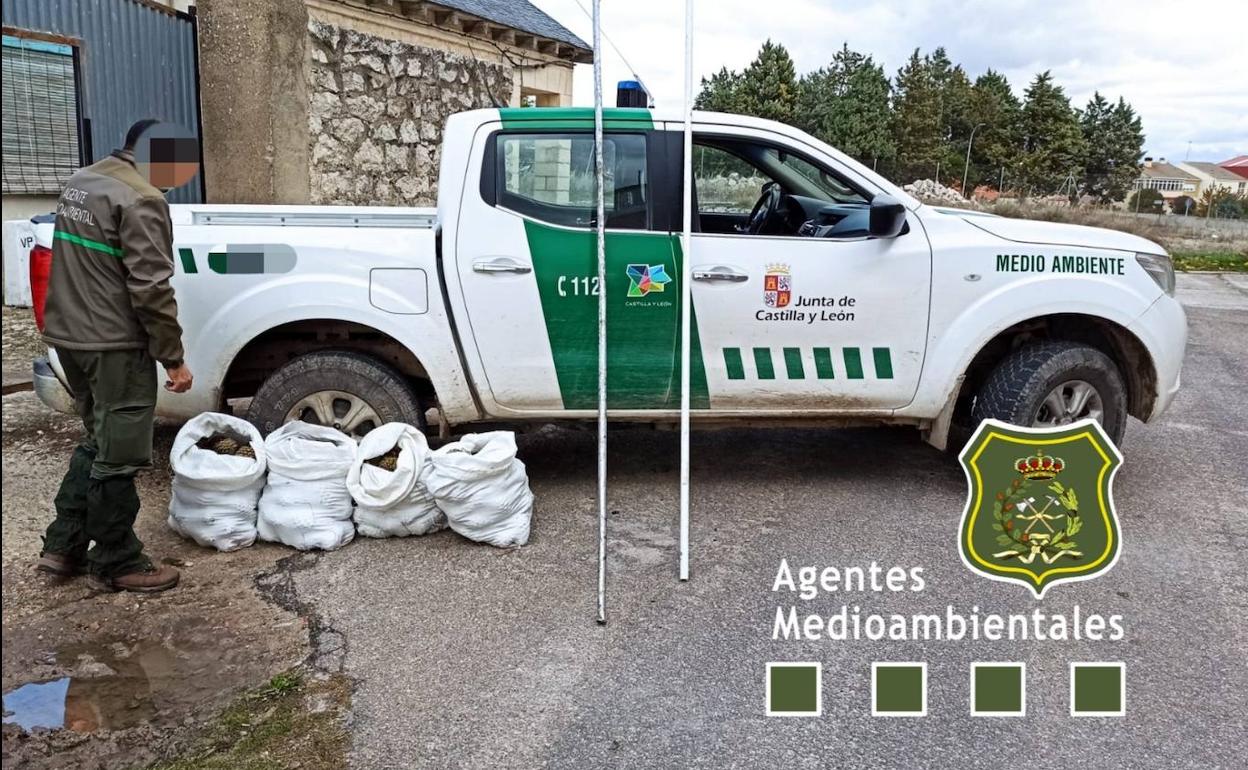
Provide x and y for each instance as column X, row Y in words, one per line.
column 550, row 177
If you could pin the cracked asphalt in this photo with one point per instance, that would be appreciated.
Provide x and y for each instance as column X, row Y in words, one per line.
column 466, row 656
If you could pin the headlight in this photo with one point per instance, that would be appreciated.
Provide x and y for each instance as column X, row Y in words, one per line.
column 1161, row 268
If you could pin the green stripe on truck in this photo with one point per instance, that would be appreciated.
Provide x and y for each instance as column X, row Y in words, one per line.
column 762, row 364
column 560, row 118
column 733, row 364
column 853, row 363
column 643, row 333
column 793, row 363
column 883, row 363
column 823, row 364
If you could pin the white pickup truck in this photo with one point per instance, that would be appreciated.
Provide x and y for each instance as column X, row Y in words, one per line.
column 822, row 294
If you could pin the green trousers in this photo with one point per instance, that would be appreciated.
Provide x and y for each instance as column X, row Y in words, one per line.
column 115, row 394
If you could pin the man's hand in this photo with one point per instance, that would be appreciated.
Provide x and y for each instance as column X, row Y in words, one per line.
column 179, row 379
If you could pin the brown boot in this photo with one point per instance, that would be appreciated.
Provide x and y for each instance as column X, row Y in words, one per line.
column 145, row 581
column 59, row 564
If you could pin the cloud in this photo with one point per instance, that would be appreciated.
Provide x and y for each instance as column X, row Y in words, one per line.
column 1180, row 65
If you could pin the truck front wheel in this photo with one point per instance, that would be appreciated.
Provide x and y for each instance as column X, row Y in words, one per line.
column 341, row 389
column 1050, row 384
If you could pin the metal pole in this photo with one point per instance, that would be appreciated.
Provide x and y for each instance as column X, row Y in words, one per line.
column 602, row 319
column 967, row 168
column 686, row 295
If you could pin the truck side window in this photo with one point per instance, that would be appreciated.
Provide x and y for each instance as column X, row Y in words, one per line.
column 550, row 177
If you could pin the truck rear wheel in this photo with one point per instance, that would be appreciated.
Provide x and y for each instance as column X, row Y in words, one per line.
column 1050, row 384
column 341, row 389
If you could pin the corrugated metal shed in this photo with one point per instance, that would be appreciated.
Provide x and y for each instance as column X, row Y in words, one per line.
column 136, row 60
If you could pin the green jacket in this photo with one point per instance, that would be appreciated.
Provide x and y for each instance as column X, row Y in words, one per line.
column 112, row 257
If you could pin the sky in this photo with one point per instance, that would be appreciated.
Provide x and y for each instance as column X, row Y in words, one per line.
column 1182, row 65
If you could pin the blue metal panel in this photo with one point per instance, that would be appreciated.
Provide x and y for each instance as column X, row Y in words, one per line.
column 136, row 61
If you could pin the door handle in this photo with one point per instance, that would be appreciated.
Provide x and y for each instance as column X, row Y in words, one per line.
column 500, row 266
column 719, row 274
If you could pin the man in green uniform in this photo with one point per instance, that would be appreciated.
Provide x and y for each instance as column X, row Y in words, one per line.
column 111, row 315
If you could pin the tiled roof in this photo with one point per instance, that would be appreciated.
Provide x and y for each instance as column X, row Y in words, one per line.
column 1159, row 170
column 1215, row 171
column 518, row 14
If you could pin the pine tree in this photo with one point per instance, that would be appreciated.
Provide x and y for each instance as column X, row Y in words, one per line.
column 956, row 121
column 768, row 87
column 1127, row 150
column 998, row 143
column 1052, row 139
column 846, row 105
column 1114, row 141
column 917, row 131
column 722, row 93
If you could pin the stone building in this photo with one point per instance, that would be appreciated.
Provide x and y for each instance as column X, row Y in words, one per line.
column 343, row 101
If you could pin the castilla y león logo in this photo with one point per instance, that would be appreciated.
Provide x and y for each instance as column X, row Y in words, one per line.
column 1040, row 506
column 645, row 279
column 777, row 286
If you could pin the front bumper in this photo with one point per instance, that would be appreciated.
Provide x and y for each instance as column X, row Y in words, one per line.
column 49, row 388
column 1163, row 330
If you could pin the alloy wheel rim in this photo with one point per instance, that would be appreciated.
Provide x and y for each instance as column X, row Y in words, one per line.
column 1069, row 402
column 336, row 409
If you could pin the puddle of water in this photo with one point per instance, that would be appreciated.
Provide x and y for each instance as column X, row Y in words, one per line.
column 115, row 685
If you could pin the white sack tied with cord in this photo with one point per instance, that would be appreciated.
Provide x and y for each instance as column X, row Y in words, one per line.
column 214, row 495
column 305, row 503
column 393, row 503
column 482, row 487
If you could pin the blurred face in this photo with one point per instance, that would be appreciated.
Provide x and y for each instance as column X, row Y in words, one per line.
column 167, row 156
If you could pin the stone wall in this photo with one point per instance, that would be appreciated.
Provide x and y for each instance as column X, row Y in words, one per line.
column 376, row 112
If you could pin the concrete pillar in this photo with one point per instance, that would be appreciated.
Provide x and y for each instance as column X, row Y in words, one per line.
column 254, row 100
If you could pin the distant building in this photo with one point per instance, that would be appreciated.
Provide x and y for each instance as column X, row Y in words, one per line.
column 1237, row 165
column 1212, row 177
column 1171, row 181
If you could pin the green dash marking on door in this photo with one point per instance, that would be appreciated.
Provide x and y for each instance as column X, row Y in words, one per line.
column 762, row 363
column 823, row 364
column 188, row 261
column 883, row 363
column 733, row 364
column 793, row 364
column 853, row 363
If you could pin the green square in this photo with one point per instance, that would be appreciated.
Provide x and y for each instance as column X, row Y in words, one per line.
column 899, row 689
column 1096, row 689
column 793, row 689
column 997, row 689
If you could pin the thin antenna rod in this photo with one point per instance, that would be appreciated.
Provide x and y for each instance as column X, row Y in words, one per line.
column 686, row 296
column 602, row 320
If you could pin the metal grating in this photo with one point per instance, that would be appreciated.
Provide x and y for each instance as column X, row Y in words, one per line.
column 136, row 60
column 40, row 103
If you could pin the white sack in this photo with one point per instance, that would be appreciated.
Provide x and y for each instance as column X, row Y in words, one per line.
column 214, row 496
column 393, row 503
column 305, row 503
column 483, row 488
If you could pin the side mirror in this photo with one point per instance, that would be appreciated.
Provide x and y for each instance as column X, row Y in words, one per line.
column 888, row 216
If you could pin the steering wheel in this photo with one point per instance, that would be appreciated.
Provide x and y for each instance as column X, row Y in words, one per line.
column 766, row 207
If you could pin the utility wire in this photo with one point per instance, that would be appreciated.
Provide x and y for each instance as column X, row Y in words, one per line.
column 618, row 53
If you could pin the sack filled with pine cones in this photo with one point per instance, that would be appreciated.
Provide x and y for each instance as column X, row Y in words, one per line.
column 218, row 466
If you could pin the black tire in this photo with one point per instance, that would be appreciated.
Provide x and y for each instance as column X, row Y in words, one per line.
column 379, row 386
column 1015, row 391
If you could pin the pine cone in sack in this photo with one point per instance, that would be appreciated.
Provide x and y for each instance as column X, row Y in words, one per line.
column 246, row 451
column 225, row 445
column 389, row 461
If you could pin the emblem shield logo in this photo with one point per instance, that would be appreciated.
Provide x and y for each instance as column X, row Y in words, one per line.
column 777, row 286
column 1040, row 505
